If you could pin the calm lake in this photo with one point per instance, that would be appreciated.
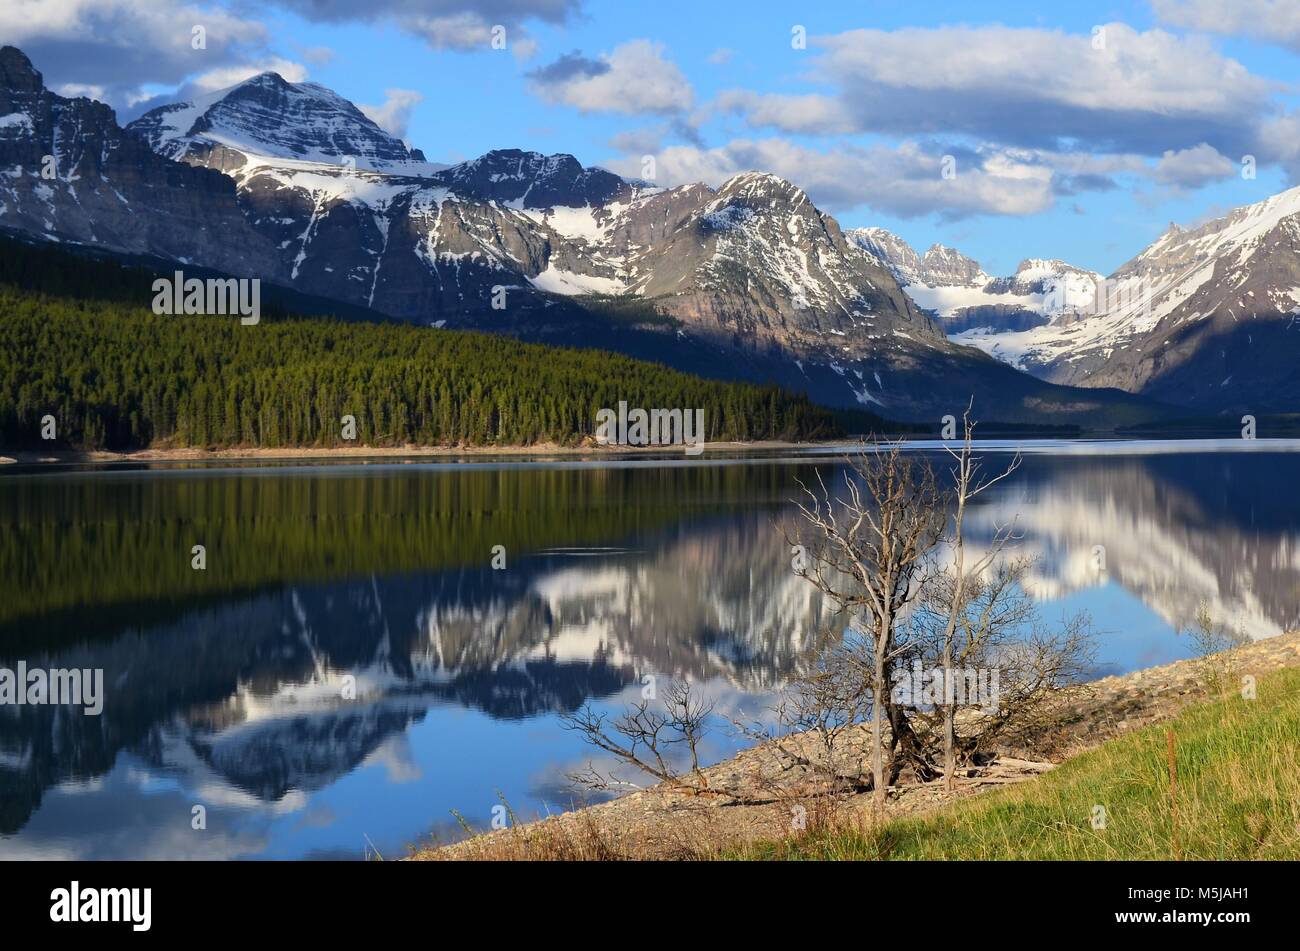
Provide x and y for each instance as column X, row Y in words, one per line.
column 223, row 687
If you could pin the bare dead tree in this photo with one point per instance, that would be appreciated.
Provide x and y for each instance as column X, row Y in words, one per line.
column 815, row 724
column 997, row 629
column 865, row 550
column 875, row 552
column 968, row 483
column 878, row 553
column 662, row 742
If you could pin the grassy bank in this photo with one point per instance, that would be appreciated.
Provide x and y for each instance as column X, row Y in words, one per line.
column 1237, row 797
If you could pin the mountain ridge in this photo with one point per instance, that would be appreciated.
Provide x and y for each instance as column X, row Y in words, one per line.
column 1205, row 317
column 748, row 281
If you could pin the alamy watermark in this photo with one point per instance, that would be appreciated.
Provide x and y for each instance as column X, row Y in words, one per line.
column 76, row 903
column 655, row 427
column 57, row 686
column 920, row 686
column 178, row 295
column 1109, row 295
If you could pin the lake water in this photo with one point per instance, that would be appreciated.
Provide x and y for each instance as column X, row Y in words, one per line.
column 224, row 686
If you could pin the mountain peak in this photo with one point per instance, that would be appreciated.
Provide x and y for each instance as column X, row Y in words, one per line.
column 942, row 265
column 892, row 251
column 17, row 72
column 267, row 115
column 533, row 180
column 760, row 184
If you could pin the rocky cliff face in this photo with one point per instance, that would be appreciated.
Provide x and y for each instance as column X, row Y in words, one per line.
column 758, row 263
column 939, row 266
column 71, row 174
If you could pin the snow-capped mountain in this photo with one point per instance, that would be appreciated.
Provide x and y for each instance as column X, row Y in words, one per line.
column 957, row 291
column 1208, row 316
column 69, row 173
column 940, row 266
column 531, row 180
column 753, row 258
column 266, row 115
column 1205, row 318
column 749, row 280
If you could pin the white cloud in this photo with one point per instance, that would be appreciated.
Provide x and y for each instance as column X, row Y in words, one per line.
column 460, row 31
column 226, row 76
column 1191, row 168
column 446, row 24
column 634, row 78
column 78, row 90
column 1142, row 92
column 813, row 113
column 394, row 114
column 117, row 46
column 1273, row 21
column 904, row 180
column 1279, row 141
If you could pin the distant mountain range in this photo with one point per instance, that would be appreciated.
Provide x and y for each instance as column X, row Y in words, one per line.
column 294, row 184
column 1205, row 318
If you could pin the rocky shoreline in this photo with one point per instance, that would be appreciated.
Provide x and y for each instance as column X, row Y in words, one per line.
column 665, row 823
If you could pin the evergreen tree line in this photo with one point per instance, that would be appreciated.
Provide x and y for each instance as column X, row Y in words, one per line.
column 114, row 375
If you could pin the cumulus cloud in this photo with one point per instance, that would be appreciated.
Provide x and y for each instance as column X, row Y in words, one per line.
column 226, row 76
column 634, row 78
column 813, row 113
column 1279, row 141
column 1194, row 167
column 1139, row 92
column 904, row 180
column 569, row 68
column 1273, row 21
column 114, row 47
column 394, row 115
column 446, row 24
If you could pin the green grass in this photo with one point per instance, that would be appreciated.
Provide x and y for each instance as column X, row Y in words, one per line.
column 1238, row 775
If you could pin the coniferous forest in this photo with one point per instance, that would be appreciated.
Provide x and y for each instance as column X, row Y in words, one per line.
column 79, row 342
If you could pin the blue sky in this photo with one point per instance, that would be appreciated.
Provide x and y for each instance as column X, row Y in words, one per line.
column 1063, row 141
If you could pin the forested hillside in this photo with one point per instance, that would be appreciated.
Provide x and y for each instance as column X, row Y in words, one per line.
column 78, row 342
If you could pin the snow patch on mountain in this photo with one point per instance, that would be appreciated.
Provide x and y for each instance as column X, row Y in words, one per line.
column 568, row 283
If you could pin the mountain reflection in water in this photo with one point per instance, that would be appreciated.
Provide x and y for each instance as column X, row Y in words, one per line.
column 225, row 687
